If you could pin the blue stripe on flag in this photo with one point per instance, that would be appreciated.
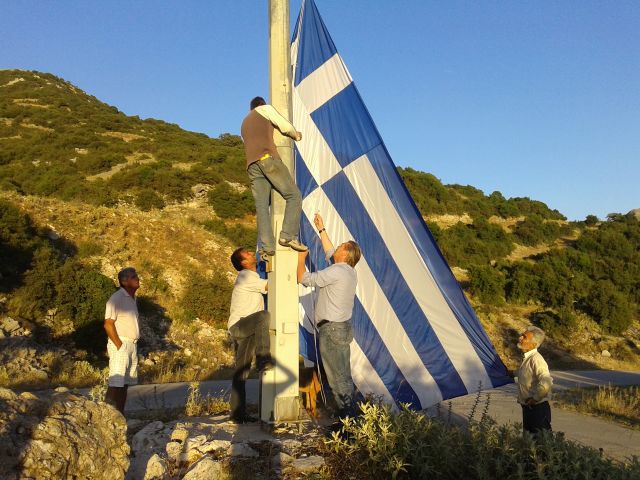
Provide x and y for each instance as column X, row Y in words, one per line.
column 437, row 265
column 364, row 331
column 346, row 126
column 304, row 180
column 380, row 358
column 319, row 46
column 427, row 344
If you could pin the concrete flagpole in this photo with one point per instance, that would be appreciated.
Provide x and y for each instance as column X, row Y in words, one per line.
column 279, row 395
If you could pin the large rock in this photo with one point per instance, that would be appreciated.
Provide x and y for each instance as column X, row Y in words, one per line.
column 205, row 469
column 60, row 436
column 156, row 468
column 308, row 464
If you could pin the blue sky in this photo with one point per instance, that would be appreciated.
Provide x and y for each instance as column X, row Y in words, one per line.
column 538, row 99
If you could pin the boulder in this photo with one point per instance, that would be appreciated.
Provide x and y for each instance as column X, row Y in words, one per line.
column 146, row 440
column 308, row 464
column 205, row 469
column 281, row 459
column 61, row 436
column 241, row 450
column 156, row 468
column 9, row 325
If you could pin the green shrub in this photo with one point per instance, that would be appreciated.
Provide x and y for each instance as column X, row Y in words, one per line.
column 380, row 444
column 609, row 307
column 479, row 243
column 229, row 203
column 77, row 293
column 18, row 240
column 559, row 325
column 487, row 283
column 207, row 298
column 239, row 235
column 534, row 230
column 148, row 199
column 89, row 249
column 591, row 220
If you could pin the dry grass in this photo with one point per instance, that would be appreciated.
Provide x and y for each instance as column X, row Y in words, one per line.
column 448, row 220
column 126, row 236
column 135, row 158
column 198, row 406
column 620, row 404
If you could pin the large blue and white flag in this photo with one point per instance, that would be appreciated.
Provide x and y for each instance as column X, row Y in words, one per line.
column 417, row 339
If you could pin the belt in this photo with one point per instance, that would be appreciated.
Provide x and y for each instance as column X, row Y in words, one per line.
column 127, row 339
column 321, row 323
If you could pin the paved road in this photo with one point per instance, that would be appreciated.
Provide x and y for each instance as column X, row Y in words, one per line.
column 616, row 441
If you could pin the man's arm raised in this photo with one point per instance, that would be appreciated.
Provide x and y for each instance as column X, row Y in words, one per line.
column 278, row 121
column 327, row 246
column 302, row 256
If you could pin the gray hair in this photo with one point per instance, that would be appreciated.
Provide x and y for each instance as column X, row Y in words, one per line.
column 125, row 273
column 538, row 334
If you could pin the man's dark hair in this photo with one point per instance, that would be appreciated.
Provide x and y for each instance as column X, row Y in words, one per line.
column 256, row 102
column 125, row 274
column 237, row 258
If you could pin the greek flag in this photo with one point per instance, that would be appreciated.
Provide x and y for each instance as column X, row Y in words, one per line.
column 417, row 339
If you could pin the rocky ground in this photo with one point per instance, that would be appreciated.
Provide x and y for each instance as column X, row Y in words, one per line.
column 43, row 356
column 60, row 435
column 212, row 447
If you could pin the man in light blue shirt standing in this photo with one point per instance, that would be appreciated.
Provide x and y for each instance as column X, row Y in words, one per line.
column 333, row 310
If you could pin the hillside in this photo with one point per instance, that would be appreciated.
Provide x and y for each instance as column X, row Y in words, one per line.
column 58, row 141
column 86, row 190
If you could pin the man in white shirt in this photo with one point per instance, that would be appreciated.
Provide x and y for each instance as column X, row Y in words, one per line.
column 534, row 382
column 249, row 328
column 333, row 311
column 123, row 332
column 267, row 171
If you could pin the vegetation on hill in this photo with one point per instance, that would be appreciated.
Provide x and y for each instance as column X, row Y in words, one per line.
column 592, row 267
column 58, row 142
column 54, row 137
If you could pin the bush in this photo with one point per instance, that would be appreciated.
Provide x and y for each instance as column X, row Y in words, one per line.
column 559, row 325
column 591, row 220
column 18, row 240
column 609, row 307
column 534, row 230
column 479, row 243
column 148, row 199
column 380, row 444
column 239, row 235
column 487, row 283
column 76, row 292
column 229, row 203
column 207, row 298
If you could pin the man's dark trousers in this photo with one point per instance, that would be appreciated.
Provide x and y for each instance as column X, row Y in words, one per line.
column 251, row 335
column 536, row 418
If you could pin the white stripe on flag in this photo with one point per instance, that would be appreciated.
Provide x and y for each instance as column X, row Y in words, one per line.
column 365, row 376
column 324, row 83
column 377, row 305
column 446, row 326
column 313, row 148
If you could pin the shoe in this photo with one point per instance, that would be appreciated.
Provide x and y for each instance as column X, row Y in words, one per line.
column 244, row 419
column 265, row 254
column 294, row 244
column 267, row 365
